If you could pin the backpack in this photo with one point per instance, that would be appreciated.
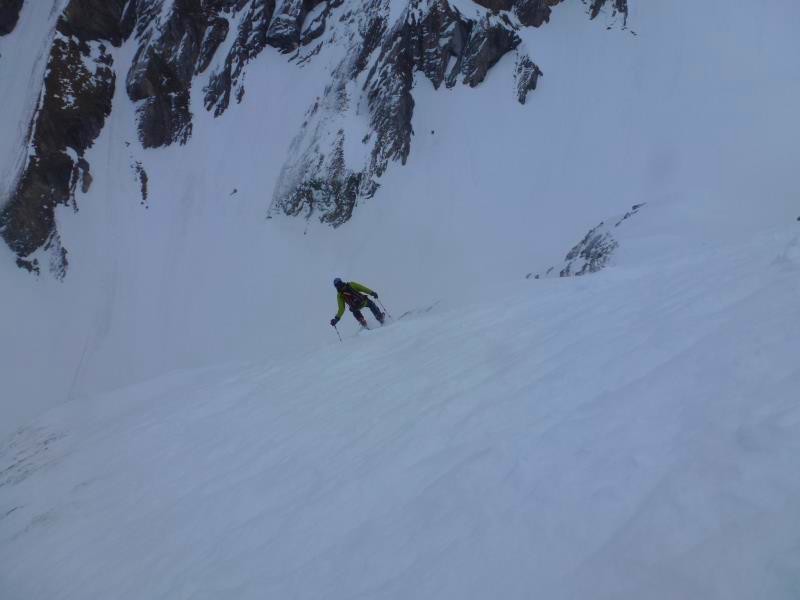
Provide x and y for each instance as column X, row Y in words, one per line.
column 353, row 298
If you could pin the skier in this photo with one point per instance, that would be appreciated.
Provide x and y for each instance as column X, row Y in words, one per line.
column 352, row 294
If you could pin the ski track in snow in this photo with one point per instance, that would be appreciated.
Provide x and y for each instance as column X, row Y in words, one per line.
column 631, row 434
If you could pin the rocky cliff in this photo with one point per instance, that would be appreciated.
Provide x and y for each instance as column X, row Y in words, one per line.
column 9, row 15
column 178, row 40
column 593, row 253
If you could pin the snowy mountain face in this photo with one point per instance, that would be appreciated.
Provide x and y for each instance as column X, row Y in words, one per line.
column 179, row 420
column 163, row 218
column 145, row 144
column 360, row 123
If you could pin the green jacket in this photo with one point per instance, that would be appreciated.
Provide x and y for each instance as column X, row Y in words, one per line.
column 357, row 287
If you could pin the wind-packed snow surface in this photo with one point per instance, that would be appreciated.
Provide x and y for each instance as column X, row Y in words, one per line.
column 630, row 434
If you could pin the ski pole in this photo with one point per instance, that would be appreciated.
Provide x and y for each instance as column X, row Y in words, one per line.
column 388, row 314
column 337, row 333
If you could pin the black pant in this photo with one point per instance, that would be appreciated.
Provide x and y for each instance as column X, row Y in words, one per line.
column 372, row 306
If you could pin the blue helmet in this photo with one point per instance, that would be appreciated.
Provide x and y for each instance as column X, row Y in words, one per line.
column 338, row 283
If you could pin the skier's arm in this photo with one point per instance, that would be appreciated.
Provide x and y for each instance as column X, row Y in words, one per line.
column 340, row 312
column 362, row 288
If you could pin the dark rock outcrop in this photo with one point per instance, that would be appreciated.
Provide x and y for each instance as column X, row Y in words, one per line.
column 440, row 40
column 216, row 33
column 164, row 66
column 142, row 179
column 312, row 28
column 333, row 195
column 531, row 13
column 617, row 7
column 88, row 20
column 284, row 30
column 431, row 38
column 9, row 15
column 593, row 252
column 489, row 41
column 534, row 13
column 526, row 76
column 165, row 119
column 496, row 5
column 251, row 39
column 75, row 101
column 391, row 105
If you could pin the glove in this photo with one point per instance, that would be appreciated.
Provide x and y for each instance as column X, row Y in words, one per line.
column 374, row 294
column 334, row 321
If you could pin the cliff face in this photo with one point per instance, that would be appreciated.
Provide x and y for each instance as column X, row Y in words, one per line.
column 432, row 38
column 384, row 45
column 74, row 103
column 593, row 253
column 9, row 15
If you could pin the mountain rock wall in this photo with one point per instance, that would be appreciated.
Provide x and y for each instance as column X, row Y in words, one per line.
column 9, row 15
column 73, row 105
column 593, row 253
column 178, row 40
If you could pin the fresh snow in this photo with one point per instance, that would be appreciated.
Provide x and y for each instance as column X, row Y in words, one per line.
column 179, row 420
column 632, row 434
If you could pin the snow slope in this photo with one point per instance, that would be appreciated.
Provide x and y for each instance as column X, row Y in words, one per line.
column 629, row 434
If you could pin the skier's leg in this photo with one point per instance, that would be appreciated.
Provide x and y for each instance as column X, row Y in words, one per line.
column 375, row 310
column 359, row 317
